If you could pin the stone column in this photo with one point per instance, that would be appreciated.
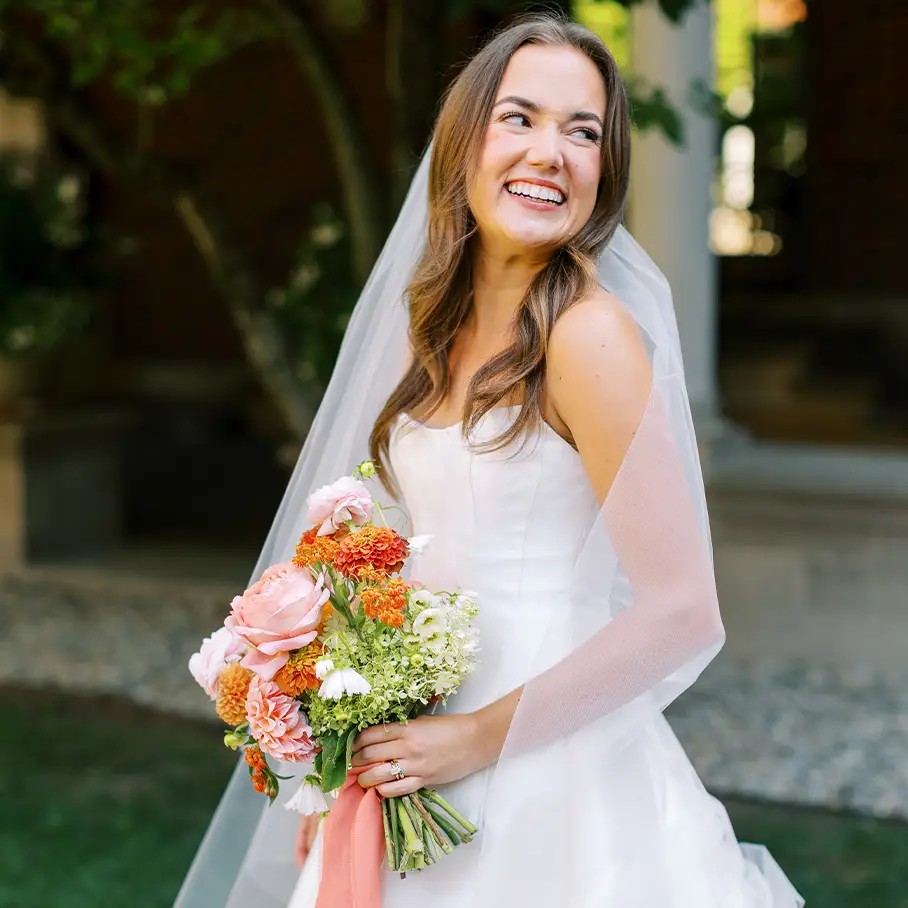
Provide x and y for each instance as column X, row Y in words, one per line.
column 670, row 195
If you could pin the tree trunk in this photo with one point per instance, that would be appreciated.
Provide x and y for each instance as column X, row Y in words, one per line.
column 414, row 30
column 359, row 185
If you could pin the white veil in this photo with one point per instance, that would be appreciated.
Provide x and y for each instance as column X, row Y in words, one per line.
column 641, row 624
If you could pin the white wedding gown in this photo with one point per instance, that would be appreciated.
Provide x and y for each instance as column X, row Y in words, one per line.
column 643, row 834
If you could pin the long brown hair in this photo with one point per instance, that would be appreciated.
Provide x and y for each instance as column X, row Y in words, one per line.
column 439, row 294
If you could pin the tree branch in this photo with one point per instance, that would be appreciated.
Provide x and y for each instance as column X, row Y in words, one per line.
column 362, row 200
column 414, row 84
column 30, row 68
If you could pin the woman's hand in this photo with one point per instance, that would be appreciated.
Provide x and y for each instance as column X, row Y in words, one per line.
column 431, row 750
column 305, row 837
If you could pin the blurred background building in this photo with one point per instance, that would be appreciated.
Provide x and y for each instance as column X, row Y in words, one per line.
column 191, row 198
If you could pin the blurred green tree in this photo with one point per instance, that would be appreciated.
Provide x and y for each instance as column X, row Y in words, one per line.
column 44, row 289
column 54, row 49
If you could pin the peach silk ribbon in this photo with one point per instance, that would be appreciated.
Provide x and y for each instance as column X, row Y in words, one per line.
column 353, row 848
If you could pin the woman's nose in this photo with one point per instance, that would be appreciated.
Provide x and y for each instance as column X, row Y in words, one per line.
column 545, row 147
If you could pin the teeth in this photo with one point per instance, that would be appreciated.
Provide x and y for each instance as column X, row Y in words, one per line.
column 535, row 191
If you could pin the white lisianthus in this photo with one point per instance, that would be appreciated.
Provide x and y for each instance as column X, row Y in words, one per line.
column 430, row 626
column 309, row 798
column 343, row 681
column 429, row 623
column 418, row 544
column 323, row 667
column 423, row 599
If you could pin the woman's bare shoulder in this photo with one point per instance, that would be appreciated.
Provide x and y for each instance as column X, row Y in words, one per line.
column 598, row 379
column 597, row 333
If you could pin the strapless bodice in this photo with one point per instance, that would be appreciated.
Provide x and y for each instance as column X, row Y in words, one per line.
column 515, row 516
column 508, row 524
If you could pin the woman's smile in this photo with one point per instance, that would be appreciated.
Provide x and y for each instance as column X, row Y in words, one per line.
column 537, row 194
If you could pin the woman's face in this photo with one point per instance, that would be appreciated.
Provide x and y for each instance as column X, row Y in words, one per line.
column 538, row 173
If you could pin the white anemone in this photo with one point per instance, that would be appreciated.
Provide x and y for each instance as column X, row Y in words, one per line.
column 423, row 598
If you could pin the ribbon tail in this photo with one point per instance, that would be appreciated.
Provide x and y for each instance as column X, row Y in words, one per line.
column 367, row 852
column 353, row 849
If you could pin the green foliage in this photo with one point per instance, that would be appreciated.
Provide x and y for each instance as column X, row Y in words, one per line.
column 651, row 109
column 673, row 9
column 313, row 308
column 44, row 292
column 148, row 54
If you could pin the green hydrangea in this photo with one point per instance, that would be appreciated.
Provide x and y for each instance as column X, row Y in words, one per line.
column 406, row 667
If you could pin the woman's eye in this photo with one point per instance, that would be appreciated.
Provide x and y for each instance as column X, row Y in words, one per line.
column 514, row 116
column 589, row 134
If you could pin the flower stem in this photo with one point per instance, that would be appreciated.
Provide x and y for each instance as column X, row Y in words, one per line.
column 432, row 795
column 445, row 823
column 428, row 843
column 412, row 840
column 389, row 841
column 431, row 825
column 395, row 831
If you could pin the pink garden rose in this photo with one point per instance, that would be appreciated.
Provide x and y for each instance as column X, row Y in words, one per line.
column 277, row 722
column 276, row 615
column 222, row 647
column 334, row 505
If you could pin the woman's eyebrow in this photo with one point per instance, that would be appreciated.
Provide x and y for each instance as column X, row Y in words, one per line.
column 533, row 107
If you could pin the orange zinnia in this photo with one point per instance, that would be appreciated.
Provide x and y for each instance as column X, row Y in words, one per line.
column 299, row 672
column 370, row 546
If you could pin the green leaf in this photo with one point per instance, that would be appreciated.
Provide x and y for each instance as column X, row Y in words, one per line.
column 652, row 110
column 334, row 759
column 702, row 98
column 675, row 9
column 672, row 9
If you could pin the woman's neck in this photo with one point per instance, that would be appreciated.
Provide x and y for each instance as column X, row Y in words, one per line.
column 500, row 282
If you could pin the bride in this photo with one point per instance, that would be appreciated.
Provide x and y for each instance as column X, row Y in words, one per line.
column 528, row 411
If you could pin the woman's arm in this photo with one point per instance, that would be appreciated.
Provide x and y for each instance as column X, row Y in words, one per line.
column 599, row 382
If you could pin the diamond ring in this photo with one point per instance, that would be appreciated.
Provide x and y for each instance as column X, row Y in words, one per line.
column 396, row 771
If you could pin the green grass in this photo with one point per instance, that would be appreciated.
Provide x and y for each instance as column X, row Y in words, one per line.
column 103, row 805
column 835, row 860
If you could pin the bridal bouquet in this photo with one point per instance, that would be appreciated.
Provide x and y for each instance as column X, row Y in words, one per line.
column 332, row 642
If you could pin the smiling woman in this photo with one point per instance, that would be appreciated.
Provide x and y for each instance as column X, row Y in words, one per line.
column 528, row 179
column 564, row 489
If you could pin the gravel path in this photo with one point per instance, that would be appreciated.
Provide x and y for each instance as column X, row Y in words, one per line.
column 799, row 733
column 789, row 732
